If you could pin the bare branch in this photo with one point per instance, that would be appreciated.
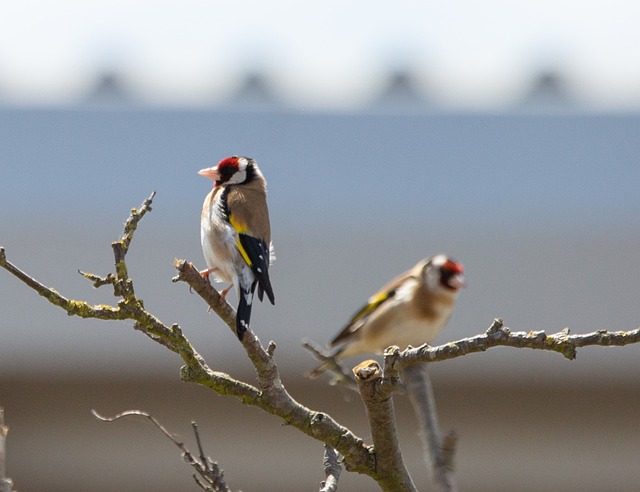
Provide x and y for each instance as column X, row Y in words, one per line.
column 262, row 360
column 131, row 308
column 274, row 398
column 189, row 274
column 439, row 452
column 170, row 337
column 376, row 392
column 72, row 307
column 332, row 470
column 271, row 395
column 208, row 475
column 499, row 335
column 6, row 484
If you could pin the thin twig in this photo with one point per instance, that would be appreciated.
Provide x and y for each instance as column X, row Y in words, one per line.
column 98, row 281
column 132, row 222
column 214, row 475
column 206, row 469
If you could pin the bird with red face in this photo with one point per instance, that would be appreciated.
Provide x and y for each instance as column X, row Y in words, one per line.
column 412, row 310
column 235, row 233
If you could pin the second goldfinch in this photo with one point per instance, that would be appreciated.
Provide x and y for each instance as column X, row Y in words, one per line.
column 410, row 310
column 236, row 233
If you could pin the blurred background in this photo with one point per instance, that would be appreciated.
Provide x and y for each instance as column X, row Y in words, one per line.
column 505, row 135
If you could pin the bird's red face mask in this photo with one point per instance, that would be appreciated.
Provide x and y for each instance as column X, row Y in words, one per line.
column 221, row 173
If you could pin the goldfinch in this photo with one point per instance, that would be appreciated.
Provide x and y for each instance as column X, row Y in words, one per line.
column 410, row 310
column 236, row 234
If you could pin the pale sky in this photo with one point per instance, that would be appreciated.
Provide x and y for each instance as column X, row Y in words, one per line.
column 469, row 53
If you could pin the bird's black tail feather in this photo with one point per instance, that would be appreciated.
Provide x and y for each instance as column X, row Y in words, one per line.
column 264, row 285
column 243, row 316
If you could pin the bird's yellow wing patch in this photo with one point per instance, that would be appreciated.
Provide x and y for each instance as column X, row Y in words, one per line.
column 373, row 302
column 240, row 228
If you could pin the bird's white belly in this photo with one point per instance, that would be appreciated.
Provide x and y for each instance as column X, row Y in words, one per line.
column 414, row 333
column 403, row 333
column 219, row 246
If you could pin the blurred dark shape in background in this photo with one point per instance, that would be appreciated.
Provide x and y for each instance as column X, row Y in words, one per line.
column 255, row 92
column 109, row 90
column 401, row 91
column 549, row 91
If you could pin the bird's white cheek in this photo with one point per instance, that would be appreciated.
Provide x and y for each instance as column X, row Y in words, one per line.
column 238, row 178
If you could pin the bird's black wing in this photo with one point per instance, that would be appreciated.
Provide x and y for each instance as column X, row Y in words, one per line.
column 256, row 253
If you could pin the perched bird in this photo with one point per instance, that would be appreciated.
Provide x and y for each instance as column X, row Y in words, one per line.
column 236, row 234
column 410, row 310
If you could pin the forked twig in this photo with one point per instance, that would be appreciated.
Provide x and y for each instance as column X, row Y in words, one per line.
column 208, row 474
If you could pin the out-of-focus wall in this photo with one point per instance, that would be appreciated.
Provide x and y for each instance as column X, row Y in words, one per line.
column 529, row 438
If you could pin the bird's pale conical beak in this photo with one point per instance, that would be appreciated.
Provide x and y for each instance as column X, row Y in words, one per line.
column 210, row 172
column 457, row 281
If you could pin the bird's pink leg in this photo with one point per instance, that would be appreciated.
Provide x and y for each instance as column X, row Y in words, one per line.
column 224, row 292
column 205, row 275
